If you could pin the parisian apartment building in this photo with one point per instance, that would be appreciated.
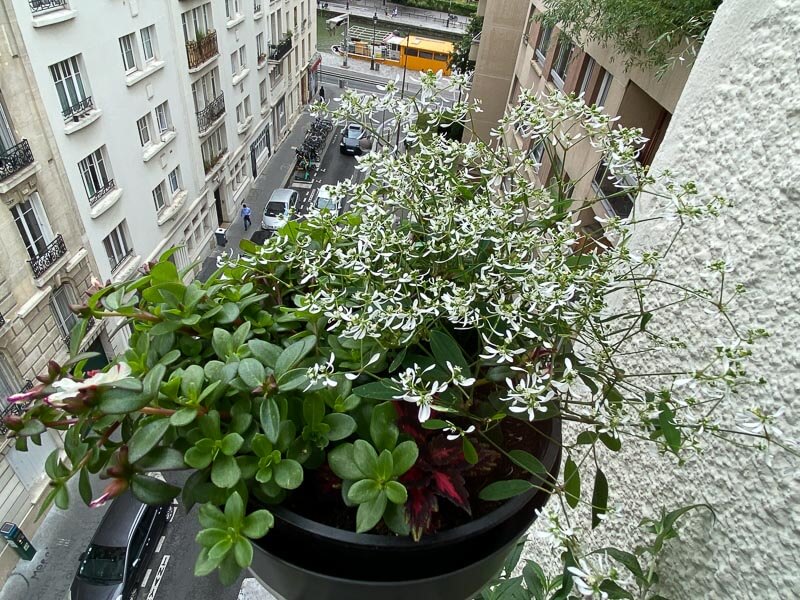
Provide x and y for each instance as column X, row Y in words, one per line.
column 515, row 52
column 126, row 128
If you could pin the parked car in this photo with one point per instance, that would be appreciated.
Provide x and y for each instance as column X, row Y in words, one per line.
column 276, row 212
column 352, row 135
column 327, row 202
column 113, row 565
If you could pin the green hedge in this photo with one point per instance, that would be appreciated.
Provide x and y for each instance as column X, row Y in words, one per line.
column 457, row 7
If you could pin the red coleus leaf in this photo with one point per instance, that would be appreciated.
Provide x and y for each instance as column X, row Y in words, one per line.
column 420, row 507
column 450, row 485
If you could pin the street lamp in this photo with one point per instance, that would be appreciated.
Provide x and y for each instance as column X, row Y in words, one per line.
column 372, row 54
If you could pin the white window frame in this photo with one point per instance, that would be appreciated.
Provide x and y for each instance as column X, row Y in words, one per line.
column 263, row 91
column 236, row 12
column 587, row 75
column 537, row 154
column 60, row 301
column 242, row 58
column 95, row 166
column 147, row 36
column 163, row 120
column 206, row 89
column 127, row 47
column 543, row 44
column 9, row 382
column 196, row 21
column 602, row 91
column 174, row 181
column 561, row 61
column 159, row 197
column 31, row 209
column 69, row 83
column 260, row 46
column 116, row 246
column 143, row 126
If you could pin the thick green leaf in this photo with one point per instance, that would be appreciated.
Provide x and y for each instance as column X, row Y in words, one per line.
column 62, row 497
column 153, row 380
column 396, row 492
column 370, row 513
column 270, row 419
column 117, row 401
column 445, row 349
column 229, row 313
column 288, row 474
column 183, row 416
column 470, row 454
column 257, row 523
column 365, row 457
column 266, row 353
column 225, row 472
column 229, row 570
column 162, row 459
column 151, row 490
column 222, row 343
column 85, row 486
column 293, row 354
column 243, row 552
column 234, row 510
column 363, row 491
column 251, row 372
column 211, row 516
column 313, row 410
column 341, row 426
column 599, row 497
column 385, row 465
column 221, row 548
column 146, row 438
column 378, row 390
column 210, row 537
column 572, row 483
column 231, row 443
column 343, row 464
column 205, row 565
column 192, row 381
column 502, row 490
column 404, row 456
column 198, row 458
column 383, row 426
column 31, row 428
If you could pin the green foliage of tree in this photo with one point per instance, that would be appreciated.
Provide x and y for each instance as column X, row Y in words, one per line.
column 458, row 7
column 652, row 34
column 459, row 60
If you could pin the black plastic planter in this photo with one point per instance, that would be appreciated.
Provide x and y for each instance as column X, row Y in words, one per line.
column 301, row 559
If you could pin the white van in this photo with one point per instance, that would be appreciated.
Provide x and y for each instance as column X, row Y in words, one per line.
column 276, row 212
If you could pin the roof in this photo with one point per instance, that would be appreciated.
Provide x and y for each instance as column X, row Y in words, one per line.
column 281, row 195
column 421, row 43
column 118, row 521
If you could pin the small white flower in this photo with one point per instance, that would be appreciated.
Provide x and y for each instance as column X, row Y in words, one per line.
column 457, row 377
column 320, row 373
column 71, row 388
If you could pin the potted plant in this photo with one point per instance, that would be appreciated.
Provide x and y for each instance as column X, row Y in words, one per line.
column 370, row 404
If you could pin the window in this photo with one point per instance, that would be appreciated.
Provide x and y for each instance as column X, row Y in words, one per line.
column 95, row 176
column 158, row 197
column 616, row 196
column 7, row 139
column 116, row 245
column 148, row 49
column 32, row 224
column 561, row 62
column 69, row 85
column 537, row 153
column 243, row 110
column 262, row 91
column 196, row 23
column 213, row 148
column 605, row 84
column 260, row 47
column 588, row 69
column 238, row 60
column 174, row 181
column 542, row 44
column 59, row 304
column 9, row 384
column 232, row 9
column 276, row 73
column 126, row 44
column 412, row 52
column 163, row 118
column 239, row 172
column 143, row 125
column 205, row 90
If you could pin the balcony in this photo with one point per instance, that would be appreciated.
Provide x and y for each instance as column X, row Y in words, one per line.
column 277, row 52
column 15, row 159
column 212, row 112
column 210, row 164
column 202, row 50
column 102, row 192
column 39, row 6
column 78, row 110
column 55, row 250
column 2, row 320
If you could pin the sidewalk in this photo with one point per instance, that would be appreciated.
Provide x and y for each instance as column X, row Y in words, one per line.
column 414, row 17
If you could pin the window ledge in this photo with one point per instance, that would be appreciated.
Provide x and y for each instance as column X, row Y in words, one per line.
column 110, row 200
column 148, row 70
column 52, row 18
column 126, row 270
column 257, row 15
column 203, row 65
column 264, row 110
column 217, row 167
column 33, row 302
column 52, row 270
column 178, row 200
column 234, row 22
column 72, row 126
column 262, row 64
column 153, row 149
column 20, row 177
column 212, row 127
column 244, row 126
column 242, row 74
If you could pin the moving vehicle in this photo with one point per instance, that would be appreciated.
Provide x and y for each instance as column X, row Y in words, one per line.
column 327, row 202
column 113, row 565
column 351, row 139
column 276, row 212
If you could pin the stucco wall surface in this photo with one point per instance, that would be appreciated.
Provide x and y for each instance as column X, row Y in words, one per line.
column 735, row 132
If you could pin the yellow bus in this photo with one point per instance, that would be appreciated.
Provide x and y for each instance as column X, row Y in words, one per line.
column 422, row 54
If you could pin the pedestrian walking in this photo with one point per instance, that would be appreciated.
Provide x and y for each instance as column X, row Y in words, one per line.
column 394, row 12
column 322, row 93
column 246, row 212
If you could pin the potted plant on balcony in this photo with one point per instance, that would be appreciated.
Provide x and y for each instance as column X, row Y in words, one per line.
column 370, row 404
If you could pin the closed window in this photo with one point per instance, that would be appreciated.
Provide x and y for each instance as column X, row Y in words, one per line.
column 59, row 304
column 69, row 84
column 537, row 153
column 9, row 383
column 143, row 125
column 32, row 225
column 148, row 43
column 94, row 173
column 262, row 91
column 174, row 181
column 196, row 23
column 158, row 197
column 542, row 44
column 243, row 110
column 126, row 44
column 561, row 63
column 232, row 9
column 205, row 90
column 588, row 69
column 605, row 84
column 116, row 245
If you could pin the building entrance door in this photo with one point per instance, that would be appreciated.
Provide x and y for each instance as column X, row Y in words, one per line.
column 218, row 206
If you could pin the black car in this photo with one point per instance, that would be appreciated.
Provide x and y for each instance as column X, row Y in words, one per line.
column 352, row 135
column 116, row 559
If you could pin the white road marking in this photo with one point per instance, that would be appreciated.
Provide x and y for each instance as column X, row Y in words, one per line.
column 146, row 577
column 172, row 512
column 151, row 595
column 161, row 541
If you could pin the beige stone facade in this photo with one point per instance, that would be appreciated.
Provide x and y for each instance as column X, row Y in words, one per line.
column 44, row 266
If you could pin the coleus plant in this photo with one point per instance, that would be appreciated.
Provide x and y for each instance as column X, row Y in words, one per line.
column 385, row 353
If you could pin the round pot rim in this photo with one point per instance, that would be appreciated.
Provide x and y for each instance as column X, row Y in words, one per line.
column 550, row 460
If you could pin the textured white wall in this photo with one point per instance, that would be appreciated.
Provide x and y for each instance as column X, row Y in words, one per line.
column 735, row 132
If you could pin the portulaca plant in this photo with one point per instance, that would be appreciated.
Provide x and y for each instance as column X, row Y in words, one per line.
column 381, row 354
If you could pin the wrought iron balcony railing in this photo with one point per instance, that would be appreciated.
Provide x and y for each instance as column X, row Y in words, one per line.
column 38, row 6
column 15, row 159
column 120, row 260
column 2, row 320
column 202, row 50
column 79, row 109
column 68, row 337
column 55, row 250
column 278, row 51
column 213, row 111
column 14, row 409
column 257, row 7
column 102, row 192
